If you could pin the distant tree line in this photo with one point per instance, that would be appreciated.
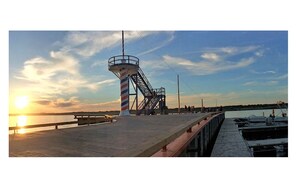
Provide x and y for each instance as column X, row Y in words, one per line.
column 182, row 110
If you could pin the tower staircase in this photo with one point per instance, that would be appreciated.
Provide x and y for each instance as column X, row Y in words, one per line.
column 153, row 98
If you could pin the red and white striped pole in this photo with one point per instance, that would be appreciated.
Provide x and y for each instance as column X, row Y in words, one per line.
column 124, row 92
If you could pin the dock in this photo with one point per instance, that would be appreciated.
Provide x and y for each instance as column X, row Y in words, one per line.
column 125, row 137
column 229, row 142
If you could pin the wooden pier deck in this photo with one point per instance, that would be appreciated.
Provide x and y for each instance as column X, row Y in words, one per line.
column 128, row 136
column 229, row 142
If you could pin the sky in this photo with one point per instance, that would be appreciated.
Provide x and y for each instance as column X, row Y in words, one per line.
column 65, row 71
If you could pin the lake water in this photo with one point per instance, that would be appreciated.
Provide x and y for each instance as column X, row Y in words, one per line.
column 23, row 120
column 247, row 113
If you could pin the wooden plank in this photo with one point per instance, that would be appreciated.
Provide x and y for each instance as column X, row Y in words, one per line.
column 151, row 147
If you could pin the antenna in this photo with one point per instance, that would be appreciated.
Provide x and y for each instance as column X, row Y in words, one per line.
column 178, row 96
column 123, row 43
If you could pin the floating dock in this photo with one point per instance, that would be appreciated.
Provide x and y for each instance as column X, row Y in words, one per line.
column 127, row 137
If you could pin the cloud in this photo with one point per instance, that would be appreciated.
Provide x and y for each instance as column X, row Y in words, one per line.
column 60, row 102
column 88, row 43
column 205, row 67
column 96, row 85
column 264, row 72
column 282, row 77
column 153, row 65
column 162, row 44
column 215, row 60
column 103, row 106
column 266, row 83
column 40, row 69
column 211, row 56
column 235, row 50
column 42, row 102
column 57, row 75
column 252, row 83
column 99, row 64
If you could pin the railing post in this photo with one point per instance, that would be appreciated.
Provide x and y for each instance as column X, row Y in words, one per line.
column 189, row 130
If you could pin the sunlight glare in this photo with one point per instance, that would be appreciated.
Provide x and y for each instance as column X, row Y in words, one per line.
column 21, row 102
column 21, row 131
column 21, row 122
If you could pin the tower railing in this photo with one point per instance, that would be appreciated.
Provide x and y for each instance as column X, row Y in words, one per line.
column 123, row 59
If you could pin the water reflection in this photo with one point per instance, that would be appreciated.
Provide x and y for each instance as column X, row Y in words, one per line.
column 21, row 122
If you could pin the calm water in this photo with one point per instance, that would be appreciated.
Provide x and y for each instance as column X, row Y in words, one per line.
column 31, row 120
column 247, row 113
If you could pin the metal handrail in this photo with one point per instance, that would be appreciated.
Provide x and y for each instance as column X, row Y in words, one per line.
column 42, row 125
column 123, row 59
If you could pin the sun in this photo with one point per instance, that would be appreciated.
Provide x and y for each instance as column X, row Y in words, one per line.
column 21, row 102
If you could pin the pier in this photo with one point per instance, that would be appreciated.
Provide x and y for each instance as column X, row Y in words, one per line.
column 130, row 136
column 229, row 142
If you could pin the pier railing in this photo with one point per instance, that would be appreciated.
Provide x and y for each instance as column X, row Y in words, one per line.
column 82, row 119
column 42, row 125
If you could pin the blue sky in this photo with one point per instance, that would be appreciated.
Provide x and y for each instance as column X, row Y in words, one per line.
column 67, row 71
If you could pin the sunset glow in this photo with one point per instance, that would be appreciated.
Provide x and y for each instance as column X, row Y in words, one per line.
column 21, row 102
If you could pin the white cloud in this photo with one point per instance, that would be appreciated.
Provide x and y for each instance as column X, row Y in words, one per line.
column 99, row 64
column 89, row 43
column 264, row 72
column 264, row 83
column 285, row 76
column 164, row 43
column 229, row 50
column 57, row 75
column 95, row 86
column 215, row 60
column 207, row 67
column 235, row 50
column 153, row 64
column 259, row 53
column 211, row 56
column 38, row 69
column 252, row 83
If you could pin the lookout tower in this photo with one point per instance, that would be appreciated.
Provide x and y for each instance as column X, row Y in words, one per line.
column 126, row 67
